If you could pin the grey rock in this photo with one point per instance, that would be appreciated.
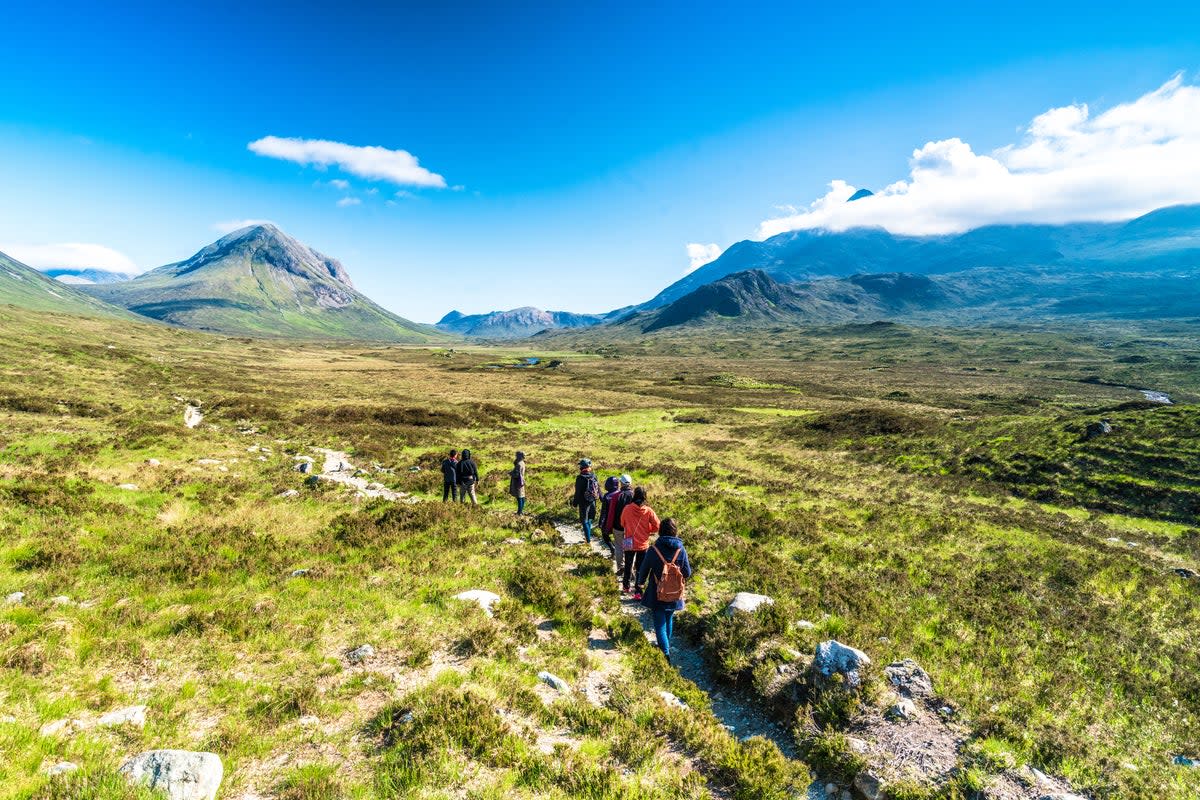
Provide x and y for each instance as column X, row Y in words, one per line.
column 834, row 657
column 288, row 493
column 56, row 727
column 61, row 768
column 909, row 679
column 831, row 789
column 180, row 774
column 129, row 487
column 192, row 416
column 868, row 784
column 153, row 462
column 747, row 603
column 671, row 700
column 301, row 573
column 15, row 599
column 304, row 467
column 360, row 654
column 133, row 715
column 1096, row 429
column 62, row 600
column 903, row 711
column 553, row 680
column 805, row 625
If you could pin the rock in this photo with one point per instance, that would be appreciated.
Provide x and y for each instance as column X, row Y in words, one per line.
column 208, row 462
column 55, row 728
column 129, row 487
column 859, row 746
column 1061, row 796
column 946, row 711
column 903, row 710
column 192, row 416
column 133, row 715
column 1185, row 573
column 1184, row 761
column 747, row 602
column 153, row 462
column 834, row 657
column 287, row 494
column 180, row 774
column 61, row 768
column 62, row 600
column 301, row 573
column 304, row 467
column 909, row 679
column 482, row 597
column 15, row 599
column 1096, row 429
column 846, row 795
column 308, row 721
column 831, row 789
column 553, row 680
column 671, row 700
column 360, row 654
column 514, row 540
column 868, row 784
column 805, row 625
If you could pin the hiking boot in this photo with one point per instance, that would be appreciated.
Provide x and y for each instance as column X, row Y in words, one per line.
column 637, row 595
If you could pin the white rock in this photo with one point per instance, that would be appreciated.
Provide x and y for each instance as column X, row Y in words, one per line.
column 308, row 721
column 360, row 654
column 514, row 540
column 129, row 487
column 133, row 715
column 192, row 416
column 62, row 600
column 301, row 573
column 553, row 680
column 208, row 462
column 747, row 602
column 55, row 728
column 671, row 700
column 833, row 656
column 805, row 625
column 288, row 493
column 180, row 774
column 482, row 597
column 16, row 598
column 153, row 462
column 61, row 768
column 903, row 710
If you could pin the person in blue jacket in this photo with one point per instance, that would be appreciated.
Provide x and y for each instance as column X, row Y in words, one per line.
column 663, row 611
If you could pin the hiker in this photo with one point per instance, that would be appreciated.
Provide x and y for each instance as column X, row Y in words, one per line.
column 516, row 482
column 610, row 488
column 587, row 492
column 450, row 477
column 639, row 521
column 667, row 568
column 617, row 501
column 468, row 476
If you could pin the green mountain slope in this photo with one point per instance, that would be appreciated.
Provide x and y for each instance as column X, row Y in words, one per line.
column 24, row 286
column 258, row 281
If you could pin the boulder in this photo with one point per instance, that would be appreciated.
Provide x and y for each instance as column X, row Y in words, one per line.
column 868, row 784
column 15, row 599
column 133, row 715
column 61, row 768
column 153, row 462
column 909, row 679
column 553, row 680
column 192, row 416
column 1095, row 429
column 671, row 700
column 179, row 774
column 304, row 467
column 483, row 598
column 834, row 657
column 288, row 494
column 747, row 603
column 903, row 710
column 360, row 654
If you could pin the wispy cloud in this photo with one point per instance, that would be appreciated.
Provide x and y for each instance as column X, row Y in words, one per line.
column 73, row 255
column 373, row 163
column 231, row 225
column 701, row 254
column 349, row 201
column 1071, row 165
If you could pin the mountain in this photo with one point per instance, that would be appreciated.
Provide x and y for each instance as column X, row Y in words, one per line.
column 24, row 286
column 259, row 281
column 1167, row 238
column 77, row 276
column 517, row 323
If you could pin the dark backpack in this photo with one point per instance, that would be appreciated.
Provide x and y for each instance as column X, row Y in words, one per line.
column 670, row 585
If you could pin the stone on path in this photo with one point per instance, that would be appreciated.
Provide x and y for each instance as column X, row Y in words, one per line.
column 61, row 768
column 551, row 679
column 868, row 784
column 903, row 710
column 483, row 598
column 360, row 654
column 180, row 774
column 133, row 715
column 833, row 656
column 747, row 603
column 192, row 416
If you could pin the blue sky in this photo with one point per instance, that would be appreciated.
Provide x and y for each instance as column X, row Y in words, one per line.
column 582, row 146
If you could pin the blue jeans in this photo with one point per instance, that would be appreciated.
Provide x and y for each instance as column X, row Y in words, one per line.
column 664, row 626
column 520, row 505
column 585, row 518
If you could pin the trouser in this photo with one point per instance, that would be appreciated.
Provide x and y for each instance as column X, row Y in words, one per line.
column 633, row 563
column 449, row 491
column 466, row 490
column 618, row 550
column 586, row 512
column 520, row 505
column 664, row 627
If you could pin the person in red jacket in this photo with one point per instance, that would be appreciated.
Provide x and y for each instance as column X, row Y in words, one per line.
column 638, row 521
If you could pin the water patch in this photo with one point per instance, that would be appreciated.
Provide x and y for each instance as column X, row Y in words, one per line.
column 1157, row 397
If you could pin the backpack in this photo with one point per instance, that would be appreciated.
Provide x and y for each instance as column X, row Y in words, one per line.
column 593, row 487
column 670, row 585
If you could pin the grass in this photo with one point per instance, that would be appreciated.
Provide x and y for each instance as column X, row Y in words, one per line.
column 911, row 508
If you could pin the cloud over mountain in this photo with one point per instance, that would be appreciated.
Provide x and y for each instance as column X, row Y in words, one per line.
column 72, row 255
column 373, row 163
column 700, row 254
column 1071, row 165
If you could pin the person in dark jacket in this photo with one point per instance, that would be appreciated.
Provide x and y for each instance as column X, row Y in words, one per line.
column 610, row 488
column 616, row 505
column 516, row 482
column 468, row 476
column 587, row 492
column 665, row 549
column 450, row 477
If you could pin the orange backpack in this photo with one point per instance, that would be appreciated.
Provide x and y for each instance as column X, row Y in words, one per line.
column 670, row 586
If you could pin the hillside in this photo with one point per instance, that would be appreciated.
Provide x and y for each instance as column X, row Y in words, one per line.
column 25, row 287
column 1165, row 240
column 258, row 281
column 72, row 275
column 514, row 324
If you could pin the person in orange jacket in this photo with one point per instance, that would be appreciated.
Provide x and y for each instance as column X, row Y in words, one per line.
column 639, row 521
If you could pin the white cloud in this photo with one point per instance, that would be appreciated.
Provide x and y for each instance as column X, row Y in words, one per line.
column 231, row 225
column 374, row 163
column 701, row 254
column 1071, row 165
column 74, row 255
column 349, row 201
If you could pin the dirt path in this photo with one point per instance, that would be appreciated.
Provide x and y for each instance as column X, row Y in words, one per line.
column 337, row 468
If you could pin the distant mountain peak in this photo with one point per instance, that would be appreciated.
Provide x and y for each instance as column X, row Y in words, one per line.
column 859, row 195
column 515, row 323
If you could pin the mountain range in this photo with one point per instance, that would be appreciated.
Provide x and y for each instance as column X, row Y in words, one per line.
column 76, row 276
column 24, row 286
column 517, row 323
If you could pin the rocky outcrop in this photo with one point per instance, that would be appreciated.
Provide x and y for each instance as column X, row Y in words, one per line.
column 747, row 603
column 179, row 774
column 834, row 658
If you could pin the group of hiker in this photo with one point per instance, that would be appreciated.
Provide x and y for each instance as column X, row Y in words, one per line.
column 651, row 572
